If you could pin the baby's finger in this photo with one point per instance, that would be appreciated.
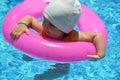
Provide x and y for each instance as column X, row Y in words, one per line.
column 27, row 31
column 15, row 35
column 12, row 34
column 18, row 35
column 94, row 56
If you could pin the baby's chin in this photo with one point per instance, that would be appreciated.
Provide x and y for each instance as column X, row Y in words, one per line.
column 55, row 38
column 51, row 37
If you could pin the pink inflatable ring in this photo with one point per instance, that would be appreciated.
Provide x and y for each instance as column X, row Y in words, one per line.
column 37, row 46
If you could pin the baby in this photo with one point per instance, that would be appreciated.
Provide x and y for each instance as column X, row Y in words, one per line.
column 60, row 17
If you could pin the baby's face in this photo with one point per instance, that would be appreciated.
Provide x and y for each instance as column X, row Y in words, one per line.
column 52, row 31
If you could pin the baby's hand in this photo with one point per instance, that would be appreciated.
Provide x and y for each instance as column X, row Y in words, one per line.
column 17, row 31
column 95, row 57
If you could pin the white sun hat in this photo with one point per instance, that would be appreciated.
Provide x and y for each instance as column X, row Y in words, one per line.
column 63, row 14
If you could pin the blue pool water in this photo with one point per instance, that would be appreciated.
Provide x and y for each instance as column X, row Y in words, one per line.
column 13, row 67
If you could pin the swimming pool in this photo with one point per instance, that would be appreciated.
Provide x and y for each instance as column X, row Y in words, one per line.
column 12, row 67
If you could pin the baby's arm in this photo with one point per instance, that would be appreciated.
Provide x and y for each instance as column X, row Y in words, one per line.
column 21, row 28
column 98, row 41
